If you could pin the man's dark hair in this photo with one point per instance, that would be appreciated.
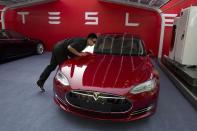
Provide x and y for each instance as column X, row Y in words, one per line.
column 92, row 36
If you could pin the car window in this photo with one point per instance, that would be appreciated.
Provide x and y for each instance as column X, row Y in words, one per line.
column 119, row 45
column 15, row 35
column 105, row 44
column 136, row 47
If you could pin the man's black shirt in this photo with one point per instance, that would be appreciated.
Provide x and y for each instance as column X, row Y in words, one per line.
column 78, row 44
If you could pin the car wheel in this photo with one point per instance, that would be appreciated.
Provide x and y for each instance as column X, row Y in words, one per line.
column 39, row 49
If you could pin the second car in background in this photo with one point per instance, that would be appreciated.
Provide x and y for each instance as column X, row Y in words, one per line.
column 14, row 44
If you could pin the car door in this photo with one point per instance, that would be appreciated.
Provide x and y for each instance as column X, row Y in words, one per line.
column 19, row 42
column 3, row 41
column 7, row 49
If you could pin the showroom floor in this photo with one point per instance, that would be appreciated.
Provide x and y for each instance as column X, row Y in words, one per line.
column 24, row 108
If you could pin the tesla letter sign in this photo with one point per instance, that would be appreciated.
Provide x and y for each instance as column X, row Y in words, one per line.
column 127, row 21
column 91, row 18
column 23, row 16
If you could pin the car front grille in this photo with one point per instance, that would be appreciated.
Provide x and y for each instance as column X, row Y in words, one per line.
column 98, row 101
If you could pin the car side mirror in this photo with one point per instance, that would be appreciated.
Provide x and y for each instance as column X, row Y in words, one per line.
column 150, row 53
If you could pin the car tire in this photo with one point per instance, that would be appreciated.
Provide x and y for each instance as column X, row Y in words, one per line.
column 39, row 49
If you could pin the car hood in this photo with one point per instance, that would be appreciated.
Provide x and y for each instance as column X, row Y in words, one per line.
column 107, row 73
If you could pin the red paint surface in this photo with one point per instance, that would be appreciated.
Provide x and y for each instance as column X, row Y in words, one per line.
column 111, row 20
column 73, row 19
column 117, row 74
column 85, row 74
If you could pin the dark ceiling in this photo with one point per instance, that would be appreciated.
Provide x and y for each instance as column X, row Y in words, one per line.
column 145, row 3
column 22, row 3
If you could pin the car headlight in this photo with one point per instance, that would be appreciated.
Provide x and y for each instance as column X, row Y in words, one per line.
column 61, row 78
column 144, row 87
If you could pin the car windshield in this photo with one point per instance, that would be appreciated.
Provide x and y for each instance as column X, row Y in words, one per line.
column 119, row 45
column 15, row 35
column 10, row 34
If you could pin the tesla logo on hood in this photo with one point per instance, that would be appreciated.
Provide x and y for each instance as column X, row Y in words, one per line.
column 96, row 95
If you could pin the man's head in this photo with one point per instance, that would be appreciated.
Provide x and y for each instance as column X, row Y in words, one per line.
column 91, row 39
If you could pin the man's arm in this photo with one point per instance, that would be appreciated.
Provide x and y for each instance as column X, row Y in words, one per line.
column 75, row 52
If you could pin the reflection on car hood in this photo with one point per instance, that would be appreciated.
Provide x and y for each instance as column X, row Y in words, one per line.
column 107, row 73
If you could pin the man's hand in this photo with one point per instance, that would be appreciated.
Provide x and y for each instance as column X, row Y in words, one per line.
column 72, row 50
column 82, row 54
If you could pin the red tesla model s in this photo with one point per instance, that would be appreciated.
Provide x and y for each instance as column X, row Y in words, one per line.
column 116, row 82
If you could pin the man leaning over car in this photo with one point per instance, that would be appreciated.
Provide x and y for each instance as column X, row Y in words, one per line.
column 63, row 50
